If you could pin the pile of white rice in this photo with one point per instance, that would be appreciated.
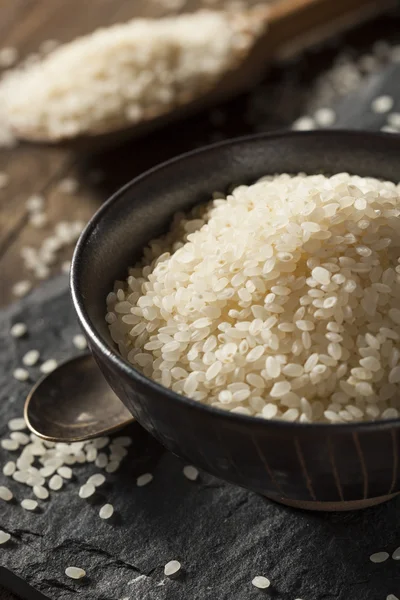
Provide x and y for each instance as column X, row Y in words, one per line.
column 281, row 301
column 126, row 73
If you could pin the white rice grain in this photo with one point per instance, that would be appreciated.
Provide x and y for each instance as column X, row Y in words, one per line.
column 21, row 288
column 304, row 124
column 101, row 460
column 8, row 57
column 17, row 424
column 382, row 104
column 40, row 492
column 56, row 483
column 21, row 374
column 190, row 472
column 106, row 511
column 144, row 479
column 18, row 330
column 112, row 466
column 101, row 442
column 325, row 117
column 35, row 204
column 68, row 185
column 9, row 468
column 75, row 572
column 30, row 358
column 29, row 504
column 87, row 490
column 48, row 366
column 396, row 554
column 79, row 341
column 379, row 557
column 4, row 537
column 172, row 568
column 97, row 479
column 38, row 220
column 261, row 582
column 10, row 445
column 5, row 494
column 65, row 472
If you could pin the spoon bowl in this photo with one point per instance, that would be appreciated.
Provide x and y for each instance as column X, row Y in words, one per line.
column 74, row 403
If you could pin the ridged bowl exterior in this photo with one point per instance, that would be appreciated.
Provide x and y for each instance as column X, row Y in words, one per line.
column 312, row 466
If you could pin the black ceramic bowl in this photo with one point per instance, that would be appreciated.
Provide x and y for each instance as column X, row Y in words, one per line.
column 316, row 466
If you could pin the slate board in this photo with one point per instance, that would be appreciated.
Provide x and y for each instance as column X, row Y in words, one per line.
column 222, row 535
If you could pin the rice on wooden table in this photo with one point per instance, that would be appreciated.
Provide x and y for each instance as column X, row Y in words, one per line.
column 279, row 301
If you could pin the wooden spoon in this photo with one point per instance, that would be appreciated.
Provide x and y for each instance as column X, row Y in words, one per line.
column 287, row 26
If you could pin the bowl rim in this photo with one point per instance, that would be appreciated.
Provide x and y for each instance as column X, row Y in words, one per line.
column 111, row 354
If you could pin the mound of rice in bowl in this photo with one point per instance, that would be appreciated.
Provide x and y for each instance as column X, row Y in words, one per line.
column 280, row 301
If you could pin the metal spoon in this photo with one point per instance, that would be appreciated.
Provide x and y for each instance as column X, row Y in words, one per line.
column 74, row 403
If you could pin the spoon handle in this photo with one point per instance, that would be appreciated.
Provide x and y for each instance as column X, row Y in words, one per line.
column 298, row 24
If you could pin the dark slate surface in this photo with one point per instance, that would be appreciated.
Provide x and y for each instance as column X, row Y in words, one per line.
column 354, row 112
column 222, row 535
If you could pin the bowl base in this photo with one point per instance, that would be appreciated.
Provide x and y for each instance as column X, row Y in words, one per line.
column 333, row 506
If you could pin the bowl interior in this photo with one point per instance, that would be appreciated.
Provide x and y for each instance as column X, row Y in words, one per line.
column 142, row 210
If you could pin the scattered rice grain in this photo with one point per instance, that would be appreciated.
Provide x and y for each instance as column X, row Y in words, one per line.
column 75, row 572
column 261, row 582
column 9, row 468
column 48, row 366
column 106, row 511
column 87, row 490
column 97, row 479
column 172, row 568
column 144, row 479
column 18, row 330
column 79, row 341
column 382, row 104
column 17, row 424
column 30, row 358
column 5, row 493
column 29, row 504
column 4, row 537
column 396, row 554
column 56, row 483
column 9, row 444
column 379, row 557
column 21, row 288
column 190, row 472
column 40, row 492
column 65, row 472
column 20, row 374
